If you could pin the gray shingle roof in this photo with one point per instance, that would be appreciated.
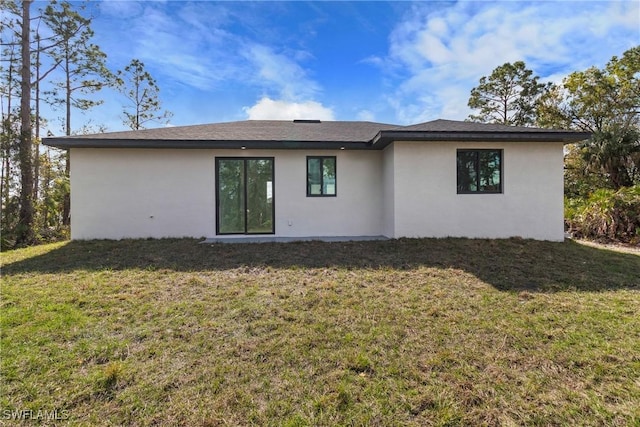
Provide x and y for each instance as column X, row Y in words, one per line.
column 255, row 130
column 307, row 134
column 442, row 125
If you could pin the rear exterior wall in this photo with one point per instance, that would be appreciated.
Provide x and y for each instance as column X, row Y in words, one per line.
column 140, row 193
column 406, row 190
column 426, row 203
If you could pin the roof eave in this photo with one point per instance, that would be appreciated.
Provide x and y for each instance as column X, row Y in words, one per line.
column 384, row 138
column 379, row 142
column 67, row 143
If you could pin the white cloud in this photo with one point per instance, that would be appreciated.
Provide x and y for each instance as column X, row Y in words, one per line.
column 438, row 54
column 270, row 109
column 290, row 91
column 280, row 74
column 194, row 58
column 121, row 9
column 202, row 48
column 366, row 115
column 193, row 44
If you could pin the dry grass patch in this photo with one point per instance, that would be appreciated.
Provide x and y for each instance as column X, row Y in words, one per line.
column 405, row 332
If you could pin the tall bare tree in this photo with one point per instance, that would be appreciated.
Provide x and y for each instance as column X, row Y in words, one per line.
column 9, row 91
column 25, row 231
column 27, row 60
column 9, row 135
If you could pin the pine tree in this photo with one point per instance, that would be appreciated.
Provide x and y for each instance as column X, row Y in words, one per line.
column 82, row 64
column 508, row 96
column 25, row 231
column 142, row 93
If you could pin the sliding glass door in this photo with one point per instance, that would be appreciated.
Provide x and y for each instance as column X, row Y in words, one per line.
column 244, row 195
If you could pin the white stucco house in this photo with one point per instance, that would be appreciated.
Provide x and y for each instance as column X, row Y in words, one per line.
column 305, row 178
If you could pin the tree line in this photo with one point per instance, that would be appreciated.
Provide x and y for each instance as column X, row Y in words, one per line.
column 602, row 173
column 48, row 57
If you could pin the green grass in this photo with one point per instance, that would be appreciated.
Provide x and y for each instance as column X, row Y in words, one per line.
column 404, row 332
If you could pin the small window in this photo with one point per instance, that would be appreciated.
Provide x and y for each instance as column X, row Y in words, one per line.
column 321, row 176
column 479, row 171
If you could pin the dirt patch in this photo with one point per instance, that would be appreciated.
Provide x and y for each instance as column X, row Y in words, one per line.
column 617, row 247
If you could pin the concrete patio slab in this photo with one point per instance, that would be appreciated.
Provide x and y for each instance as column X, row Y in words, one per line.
column 270, row 239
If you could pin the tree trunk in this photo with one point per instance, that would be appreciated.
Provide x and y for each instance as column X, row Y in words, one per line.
column 6, row 173
column 8, row 130
column 25, row 234
column 36, row 157
column 66, row 204
column 619, row 176
column 45, row 191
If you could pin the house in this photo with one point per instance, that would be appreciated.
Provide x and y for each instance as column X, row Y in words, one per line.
column 306, row 178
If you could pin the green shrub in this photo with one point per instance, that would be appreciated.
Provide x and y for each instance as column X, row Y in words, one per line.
column 606, row 214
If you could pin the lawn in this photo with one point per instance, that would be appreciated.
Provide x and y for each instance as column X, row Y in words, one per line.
column 400, row 332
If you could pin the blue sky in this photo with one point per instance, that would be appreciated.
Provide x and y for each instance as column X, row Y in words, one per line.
column 393, row 62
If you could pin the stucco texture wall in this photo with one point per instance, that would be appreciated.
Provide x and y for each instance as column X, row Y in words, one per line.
column 139, row 193
column 132, row 193
column 427, row 203
column 406, row 190
column 355, row 211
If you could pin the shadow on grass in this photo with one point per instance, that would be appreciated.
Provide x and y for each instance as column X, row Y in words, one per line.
column 512, row 264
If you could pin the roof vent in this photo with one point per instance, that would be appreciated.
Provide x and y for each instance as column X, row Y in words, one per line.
column 306, row 121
